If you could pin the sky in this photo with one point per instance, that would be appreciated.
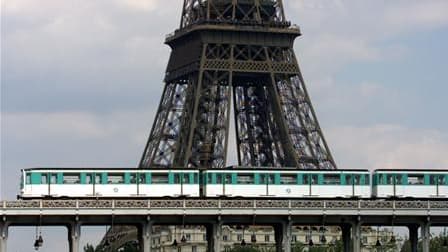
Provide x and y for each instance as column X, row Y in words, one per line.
column 81, row 81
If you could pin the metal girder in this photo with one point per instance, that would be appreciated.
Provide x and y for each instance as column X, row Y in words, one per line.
column 275, row 122
column 249, row 12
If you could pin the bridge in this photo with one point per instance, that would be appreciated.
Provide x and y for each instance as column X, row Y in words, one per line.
column 282, row 214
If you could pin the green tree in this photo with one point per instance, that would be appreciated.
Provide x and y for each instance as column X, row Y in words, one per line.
column 436, row 244
column 244, row 249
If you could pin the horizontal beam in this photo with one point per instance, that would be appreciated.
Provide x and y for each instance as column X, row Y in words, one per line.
column 374, row 209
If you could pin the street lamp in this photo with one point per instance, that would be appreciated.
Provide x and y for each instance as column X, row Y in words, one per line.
column 243, row 242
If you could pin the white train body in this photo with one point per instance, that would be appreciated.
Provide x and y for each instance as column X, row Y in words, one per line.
column 115, row 183
column 410, row 183
column 232, row 182
column 288, row 183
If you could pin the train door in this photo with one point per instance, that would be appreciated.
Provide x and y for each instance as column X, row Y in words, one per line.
column 89, row 181
column 224, row 179
column 267, row 180
column 311, row 180
column 52, row 184
column 436, row 184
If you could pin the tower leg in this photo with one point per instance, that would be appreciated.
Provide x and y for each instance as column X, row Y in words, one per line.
column 356, row 235
column 74, row 236
column 413, row 237
column 425, row 229
column 346, row 237
column 3, row 236
column 145, row 236
column 213, row 233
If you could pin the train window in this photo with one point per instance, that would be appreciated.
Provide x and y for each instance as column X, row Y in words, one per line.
column 141, row 178
column 195, row 179
column 28, row 179
column 115, row 178
column 381, row 179
column 184, row 176
column 437, row 179
column 266, row 178
column 209, row 178
column 416, row 179
column 310, row 179
column 71, row 178
column 288, row 179
column 218, row 178
column 53, row 179
column 89, row 179
column 332, row 179
column 160, row 178
column 245, row 179
column 357, row 179
column 366, row 179
column 348, row 179
column 353, row 179
column 398, row 179
column 44, row 179
column 390, row 179
column 133, row 178
column 98, row 179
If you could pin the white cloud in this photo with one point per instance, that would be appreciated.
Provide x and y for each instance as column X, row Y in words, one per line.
column 144, row 5
column 388, row 146
column 416, row 15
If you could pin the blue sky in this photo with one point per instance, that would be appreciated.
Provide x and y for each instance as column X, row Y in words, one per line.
column 80, row 82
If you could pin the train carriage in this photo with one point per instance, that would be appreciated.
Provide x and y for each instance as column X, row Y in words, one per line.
column 413, row 183
column 85, row 183
column 287, row 183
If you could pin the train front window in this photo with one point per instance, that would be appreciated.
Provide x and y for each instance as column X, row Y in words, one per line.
column 71, row 178
column 115, row 178
column 416, row 179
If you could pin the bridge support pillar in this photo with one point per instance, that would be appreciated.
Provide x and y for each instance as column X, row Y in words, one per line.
column 283, row 237
column 346, row 237
column 426, row 236
column 413, row 237
column 3, row 236
column 145, row 236
column 356, row 236
column 74, row 236
column 213, row 234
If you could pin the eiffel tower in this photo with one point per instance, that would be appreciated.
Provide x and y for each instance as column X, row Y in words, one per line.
column 235, row 55
column 232, row 56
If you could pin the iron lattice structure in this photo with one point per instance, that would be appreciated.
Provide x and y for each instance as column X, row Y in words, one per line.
column 235, row 53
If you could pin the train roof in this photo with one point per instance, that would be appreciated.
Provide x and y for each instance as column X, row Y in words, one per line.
column 234, row 168
column 411, row 170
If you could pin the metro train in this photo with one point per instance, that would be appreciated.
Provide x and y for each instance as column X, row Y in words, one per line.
column 232, row 182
